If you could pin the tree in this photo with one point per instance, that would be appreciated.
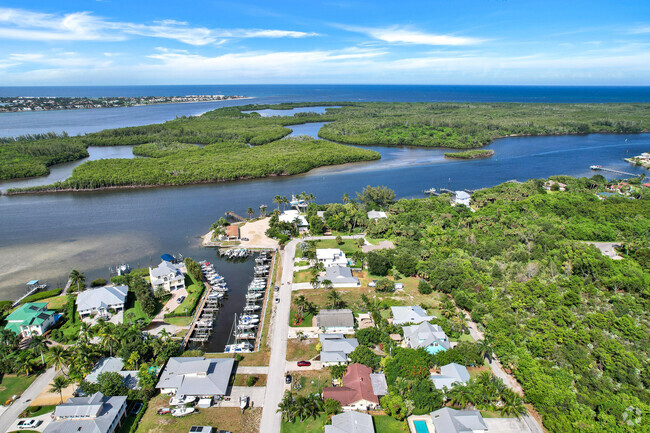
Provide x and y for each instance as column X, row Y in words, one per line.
column 393, row 404
column 405, row 263
column 512, row 404
column 363, row 355
column 250, row 212
column 485, row 349
column 337, row 371
column 331, row 406
column 277, row 200
column 39, row 344
column 346, row 198
column 263, row 209
column 24, row 365
column 339, row 240
column 376, row 197
column 77, row 279
column 334, row 300
column 378, row 264
column 385, row 285
column 315, row 282
column 58, row 385
column 58, row 356
column 368, row 336
column 111, row 384
column 424, row 288
column 327, row 284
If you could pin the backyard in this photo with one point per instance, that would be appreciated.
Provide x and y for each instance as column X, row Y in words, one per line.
column 348, row 246
column 310, row 425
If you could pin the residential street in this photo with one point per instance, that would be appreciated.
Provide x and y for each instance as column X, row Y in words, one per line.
column 12, row 413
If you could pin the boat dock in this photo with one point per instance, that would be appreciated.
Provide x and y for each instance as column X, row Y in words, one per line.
column 232, row 214
column 598, row 167
column 207, row 310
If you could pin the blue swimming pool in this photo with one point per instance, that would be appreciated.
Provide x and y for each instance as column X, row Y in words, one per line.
column 420, row 426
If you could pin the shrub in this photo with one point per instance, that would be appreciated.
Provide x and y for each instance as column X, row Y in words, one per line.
column 98, row 282
column 41, row 295
column 424, row 287
column 385, row 285
column 251, row 380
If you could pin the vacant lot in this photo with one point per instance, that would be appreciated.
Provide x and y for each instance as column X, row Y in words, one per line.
column 301, row 350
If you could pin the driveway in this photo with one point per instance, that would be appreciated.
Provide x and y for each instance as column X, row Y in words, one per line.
column 170, row 305
column 252, row 370
column 293, row 366
column 10, row 416
column 254, row 393
column 46, row 419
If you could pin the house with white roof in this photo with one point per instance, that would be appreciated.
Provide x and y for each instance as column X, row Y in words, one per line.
column 351, row 422
column 196, row 377
column 94, row 414
column 113, row 365
column 410, row 314
column 375, row 215
column 289, row 216
column 426, row 335
column 335, row 348
column 340, row 277
column 450, row 374
column 168, row 276
column 462, row 197
column 100, row 300
column 331, row 257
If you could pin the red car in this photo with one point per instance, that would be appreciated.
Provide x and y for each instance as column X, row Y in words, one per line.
column 304, row 363
column 164, row 410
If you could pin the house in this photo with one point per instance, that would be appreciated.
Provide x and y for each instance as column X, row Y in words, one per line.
column 410, row 314
column 113, row 365
column 196, row 376
column 449, row 375
column 331, row 257
column 289, row 216
column 448, row 420
column 341, row 321
column 356, row 392
column 375, row 215
column 462, row 197
column 426, row 335
column 232, row 232
column 335, row 348
column 32, row 318
column 94, row 414
column 168, row 276
column 549, row 185
column 379, row 385
column 340, row 277
column 351, row 422
column 364, row 320
column 100, row 300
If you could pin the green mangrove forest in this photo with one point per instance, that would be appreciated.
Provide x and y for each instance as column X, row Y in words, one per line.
column 242, row 145
column 470, row 154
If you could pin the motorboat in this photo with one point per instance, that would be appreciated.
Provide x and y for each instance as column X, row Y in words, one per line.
column 182, row 411
column 249, row 320
column 184, row 399
column 252, row 307
column 247, row 326
column 250, row 316
column 242, row 347
column 253, row 296
column 245, row 336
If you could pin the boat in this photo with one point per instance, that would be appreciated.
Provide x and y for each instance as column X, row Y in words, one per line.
column 595, row 167
column 242, row 347
column 185, row 399
column 245, row 336
column 250, row 316
column 252, row 308
column 243, row 402
column 249, row 320
column 253, row 295
column 244, row 326
column 204, row 323
column 182, row 411
column 430, row 191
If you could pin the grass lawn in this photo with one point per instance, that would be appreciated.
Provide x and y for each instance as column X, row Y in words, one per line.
column 301, row 350
column 310, row 425
column 134, row 311
column 14, row 385
column 248, row 359
column 388, row 424
column 491, row 414
column 302, row 263
column 302, row 276
column 474, row 372
column 56, row 302
column 312, row 381
column 351, row 296
column 240, row 379
column 306, row 322
column 222, row 418
column 348, row 246
column 33, row 411
column 187, row 307
column 127, row 423
column 374, row 241
column 466, row 337
column 409, row 295
column 179, row 321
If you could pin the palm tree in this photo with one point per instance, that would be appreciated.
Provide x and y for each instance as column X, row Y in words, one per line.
column 277, row 200
column 58, row 385
column 346, row 198
column 77, row 279
column 59, row 357
column 284, row 200
column 286, row 407
column 485, row 349
column 315, row 282
column 250, row 212
column 302, row 408
column 459, row 396
column 512, row 404
column 8, row 338
column 327, row 284
column 24, row 365
column 300, row 302
column 334, row 299
column 38, row 343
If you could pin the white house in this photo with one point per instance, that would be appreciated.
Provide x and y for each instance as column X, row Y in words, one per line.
column 94, row 414
column 431, row 337
column 168, row 276
column 375, row 215
column 32, row 318
column 331, row 257
column 461, row 197
column 450, row 374
column 410, row 314
column 340, row 276
column 100, row 300
column 289, row 216
column 196, row 377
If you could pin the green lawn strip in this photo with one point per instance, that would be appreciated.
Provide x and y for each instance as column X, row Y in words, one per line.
column 492, row 414
column 134, row 312
column 33, row 411
column 306, row 323
column 14, row 385
column 302, row 263
column 302, row 276
column 387, row 424
column 55, row 302
column 348, row 246
column 179, row 321
column 310, row 425
column 186, row 307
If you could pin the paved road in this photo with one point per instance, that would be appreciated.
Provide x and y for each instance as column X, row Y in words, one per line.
column 11, row 414
column 280, row 330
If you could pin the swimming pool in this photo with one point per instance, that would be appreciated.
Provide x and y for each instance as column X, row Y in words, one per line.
column 420, row 426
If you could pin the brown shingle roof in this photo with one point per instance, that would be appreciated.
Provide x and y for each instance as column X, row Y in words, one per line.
column 356, row 386
column 232, row 231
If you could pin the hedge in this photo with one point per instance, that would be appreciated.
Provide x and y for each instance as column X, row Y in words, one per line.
column 42, row 295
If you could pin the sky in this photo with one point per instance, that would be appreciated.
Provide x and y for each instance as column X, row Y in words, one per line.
column 511, row 42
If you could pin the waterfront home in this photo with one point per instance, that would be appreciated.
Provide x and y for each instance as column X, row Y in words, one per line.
column 335, row 348
column 461, row 197
column 410, row 314
column 338, row 321
column 340, row 277
column 113, row 365
column 356, row 392
column 196, row 377
column 100, row 300
column 94, row 414
column 232, row 233
column 549, row 185
column 168, row 276
column 351, row 422
column 291, row 216
column 331, row 257
column 450, row 374
column 375, row 215
column 448, row 420
column 32, row 318
column 426, row 335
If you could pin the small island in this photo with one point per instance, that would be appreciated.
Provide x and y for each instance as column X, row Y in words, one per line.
column 470, row 154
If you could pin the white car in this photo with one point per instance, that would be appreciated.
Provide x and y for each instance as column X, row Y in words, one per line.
column 29, row 423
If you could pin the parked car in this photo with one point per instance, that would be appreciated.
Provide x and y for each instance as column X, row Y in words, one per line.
column 29, row 423
column 304, row 363
column 164, row 410
column 277, row 300
column 276, row 288
column 287, row 379
column 373, row 283
column 136, row 408
column 180, row 299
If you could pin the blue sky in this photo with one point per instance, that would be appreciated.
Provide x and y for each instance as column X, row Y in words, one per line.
column 111, row 42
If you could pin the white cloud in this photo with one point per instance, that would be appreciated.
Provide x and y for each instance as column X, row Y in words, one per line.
column 639, row 30
column 83, row 26
column 405, row 35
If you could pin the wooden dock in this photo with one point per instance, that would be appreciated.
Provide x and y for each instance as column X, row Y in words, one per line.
column 269, row 294
column 232, row 214
column 188, row 337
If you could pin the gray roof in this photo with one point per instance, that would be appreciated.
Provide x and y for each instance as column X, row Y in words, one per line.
column 410, row 314
column 379, row 385
column 458, row 421
column 107, row 365
column 197, row 375
column 339, row 275
column 335, row 318
column 336, row 348
column 425, row 334
column 351, row 422
column 164, row 269
column 101, row 297
column 450, row 374
column 373, row 214
column 93, row 414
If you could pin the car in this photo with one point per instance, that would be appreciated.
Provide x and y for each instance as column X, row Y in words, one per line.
column 277, row 300
column 276, row 288
column 304, row 363
column 373, row 283
column 29, row 423
column 136, row 408
column 180, row 299
column 287, row 379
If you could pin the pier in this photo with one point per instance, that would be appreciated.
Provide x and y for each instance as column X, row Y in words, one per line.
column 610, row 170
column 206, row 310
column 232, row 214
